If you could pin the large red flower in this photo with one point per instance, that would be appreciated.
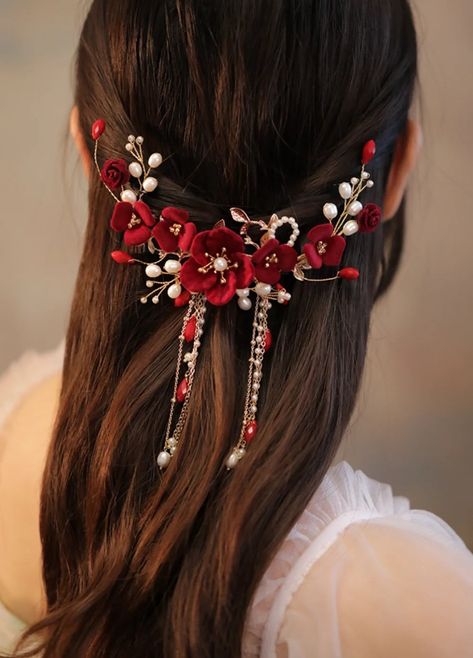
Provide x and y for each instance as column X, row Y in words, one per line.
column 173, row 231
column 135, row 220
column 218, row 265
column 324, row 248
column 272, row 259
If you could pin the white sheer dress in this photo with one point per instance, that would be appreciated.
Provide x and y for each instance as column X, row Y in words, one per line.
column 360, row 575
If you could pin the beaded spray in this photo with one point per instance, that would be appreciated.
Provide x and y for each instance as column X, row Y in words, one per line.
column 217, row 265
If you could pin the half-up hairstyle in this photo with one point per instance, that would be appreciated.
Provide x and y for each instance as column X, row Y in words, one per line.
column 263, row 105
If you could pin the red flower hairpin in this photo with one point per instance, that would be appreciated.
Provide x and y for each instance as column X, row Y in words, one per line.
column 220, row 264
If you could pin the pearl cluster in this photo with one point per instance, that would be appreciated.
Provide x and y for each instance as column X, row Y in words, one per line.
column 196, row 311
column 277, row 222
column 154, row 271
column 140, row 171
column 349, row 192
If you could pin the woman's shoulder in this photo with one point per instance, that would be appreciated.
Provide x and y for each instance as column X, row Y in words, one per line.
column 355, row 554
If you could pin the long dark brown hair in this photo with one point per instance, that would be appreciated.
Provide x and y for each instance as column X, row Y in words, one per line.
column 265, row 105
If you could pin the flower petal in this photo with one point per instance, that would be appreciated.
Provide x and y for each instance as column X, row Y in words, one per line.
column 194, row 280
column 245, row 272
column 186, row 236
column 175, row 215
column 312, row 256
column 144, row 212
column 334, row 253
column 166, row 240
column 287, row 257
column 269, row 247
column 199, row 247
column 320, row 232
column 222, row 293
column 224, row 237
column 137, row 235
column 270, row 274
column 121, row 216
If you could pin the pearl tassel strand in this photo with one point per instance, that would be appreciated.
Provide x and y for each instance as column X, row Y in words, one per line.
column 255, row 375
column 195, row 314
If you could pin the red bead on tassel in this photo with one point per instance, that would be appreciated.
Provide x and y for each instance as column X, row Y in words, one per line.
column 182, row 390
column 250, row 431
column 189, row 330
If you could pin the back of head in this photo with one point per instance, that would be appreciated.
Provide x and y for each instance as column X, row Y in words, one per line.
column 261, row 104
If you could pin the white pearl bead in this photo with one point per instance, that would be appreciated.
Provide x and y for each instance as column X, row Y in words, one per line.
column 174, row 291
column 155, row 159
column 355, row 208
column 150, row 184
column 370, row 183
column 135, row 169
column 172, row 442
column 351, row 227
column 129, row 147
column 144, row 300
column 188, row 357
column 172, row 266
column 263, row 289
column 345, row 190
column 129, row 196
column 244, row 303
column 232, row 461
column 243, row 292
column 163, row 459
column 220, row 264
column 131, row 138
column 355, row 181
column 153, row 271
column 365, row 175
column 140, row 140
column 155, row 300
column 330, row 210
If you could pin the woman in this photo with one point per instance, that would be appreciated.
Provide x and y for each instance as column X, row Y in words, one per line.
column 265, row 107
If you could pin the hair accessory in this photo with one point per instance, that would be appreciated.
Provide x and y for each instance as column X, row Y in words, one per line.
column 219, row 265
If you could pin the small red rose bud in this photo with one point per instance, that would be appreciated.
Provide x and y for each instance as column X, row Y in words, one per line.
column 369, row 151
column 189, row 329
column 250, row 431
column 349, row 273
column 183, row 299
column 182, row 390
column 122, row 257
column 98, row 129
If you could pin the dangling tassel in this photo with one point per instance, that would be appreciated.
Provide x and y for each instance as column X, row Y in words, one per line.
column 192, row 329
column 260, row 343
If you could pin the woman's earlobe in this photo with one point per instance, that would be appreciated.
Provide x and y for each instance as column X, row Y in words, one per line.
column 408, row 148
column 79, row 140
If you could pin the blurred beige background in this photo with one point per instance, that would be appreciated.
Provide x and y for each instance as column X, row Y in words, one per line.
column 414, row 423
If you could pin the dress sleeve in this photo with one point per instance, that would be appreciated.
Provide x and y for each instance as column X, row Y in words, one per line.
column 391, row 588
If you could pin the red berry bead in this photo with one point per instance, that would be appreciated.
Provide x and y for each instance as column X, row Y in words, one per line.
column 98, row 129
column 182, row 390
column 122, row 257
column 189, row 329
column 349, row 273
column 250, row 431
column 369, row 151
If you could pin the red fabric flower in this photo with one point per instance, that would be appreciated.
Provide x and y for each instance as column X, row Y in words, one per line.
column 272, row 259
column 369, row 218
column 174, row 232
column 115, row 173
column 135, row 220
column 218, row 266
column 324, row 248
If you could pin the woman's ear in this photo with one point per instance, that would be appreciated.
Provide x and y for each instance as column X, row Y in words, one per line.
column 79, row 140
column 408, row 148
